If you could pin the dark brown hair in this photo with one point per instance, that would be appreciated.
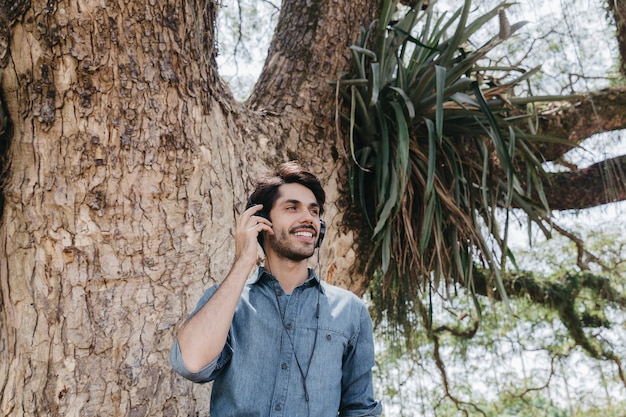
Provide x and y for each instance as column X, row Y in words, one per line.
column 266, row 191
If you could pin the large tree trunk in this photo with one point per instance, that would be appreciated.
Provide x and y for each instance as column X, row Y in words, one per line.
column 121, row 189
column 129, row 164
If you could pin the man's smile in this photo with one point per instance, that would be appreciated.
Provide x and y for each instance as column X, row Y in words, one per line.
column 307, row 231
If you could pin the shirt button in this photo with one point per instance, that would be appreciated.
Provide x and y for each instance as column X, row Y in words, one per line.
column 278, row 407
column 288, row 326
column 284, row 366
column 328, row 337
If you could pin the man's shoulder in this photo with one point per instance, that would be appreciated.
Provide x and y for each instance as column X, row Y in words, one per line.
column 340, row 291
column 341, row 294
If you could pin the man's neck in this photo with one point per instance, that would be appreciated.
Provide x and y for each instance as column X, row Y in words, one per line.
column 290, row 274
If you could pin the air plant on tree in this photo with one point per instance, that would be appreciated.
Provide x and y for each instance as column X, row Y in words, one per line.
column 436, row 149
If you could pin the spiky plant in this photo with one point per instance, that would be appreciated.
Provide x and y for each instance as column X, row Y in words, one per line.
column 435, row 150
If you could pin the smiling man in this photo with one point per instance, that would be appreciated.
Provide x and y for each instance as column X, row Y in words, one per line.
column 282, row 343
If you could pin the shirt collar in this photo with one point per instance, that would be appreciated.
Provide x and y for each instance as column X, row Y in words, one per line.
column 262, row 274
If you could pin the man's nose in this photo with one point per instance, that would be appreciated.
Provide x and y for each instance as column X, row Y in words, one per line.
column 308, row 218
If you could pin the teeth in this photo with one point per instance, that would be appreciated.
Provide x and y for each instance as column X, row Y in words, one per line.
column 307, row 234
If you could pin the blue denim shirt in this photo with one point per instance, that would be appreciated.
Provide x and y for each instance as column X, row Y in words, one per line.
column 260, row 370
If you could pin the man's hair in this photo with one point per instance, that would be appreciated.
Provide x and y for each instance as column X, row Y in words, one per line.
column 266, row 191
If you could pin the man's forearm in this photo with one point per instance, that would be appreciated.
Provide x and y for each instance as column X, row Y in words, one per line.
column 202, row 337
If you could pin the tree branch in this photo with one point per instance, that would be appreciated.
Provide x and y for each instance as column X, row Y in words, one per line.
column 547, row 292
column 601, row 183
column 601, row 111
column 310, row 46
column 563, row 295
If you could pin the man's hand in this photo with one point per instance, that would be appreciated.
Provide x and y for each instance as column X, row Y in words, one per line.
column 247, row 231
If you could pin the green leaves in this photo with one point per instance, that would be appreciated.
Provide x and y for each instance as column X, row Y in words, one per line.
column 436, row 150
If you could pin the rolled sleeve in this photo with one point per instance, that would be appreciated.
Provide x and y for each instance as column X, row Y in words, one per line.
column 204, row 375
column 211, row 370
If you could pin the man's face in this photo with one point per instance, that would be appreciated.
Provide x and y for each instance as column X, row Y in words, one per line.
column 295, row 220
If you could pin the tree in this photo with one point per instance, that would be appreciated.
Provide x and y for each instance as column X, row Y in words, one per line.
column 126, row 161
column 520, row 363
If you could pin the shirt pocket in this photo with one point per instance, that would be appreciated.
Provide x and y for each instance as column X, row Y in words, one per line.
column 327, row 360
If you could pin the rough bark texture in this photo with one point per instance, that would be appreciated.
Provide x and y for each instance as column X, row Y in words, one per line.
column 310, row 47
column 121, row 191
column 601, row 183
column 596, row 112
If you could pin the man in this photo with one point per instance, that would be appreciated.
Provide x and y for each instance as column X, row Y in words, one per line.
column 283, row 343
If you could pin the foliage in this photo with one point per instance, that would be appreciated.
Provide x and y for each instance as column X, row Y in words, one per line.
column 436, row 150
column 516, row 364
column 525, row 361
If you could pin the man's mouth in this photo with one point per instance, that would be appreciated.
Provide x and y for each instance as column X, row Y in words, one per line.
column 305, row 232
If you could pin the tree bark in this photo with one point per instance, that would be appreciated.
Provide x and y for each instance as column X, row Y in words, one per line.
column 618, row 9
column 121, row 190
column 601, row 183
column 578, row 120
column 573, row 122
column 309, row 48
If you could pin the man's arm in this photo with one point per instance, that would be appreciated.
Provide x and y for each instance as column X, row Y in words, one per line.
column 202, row 338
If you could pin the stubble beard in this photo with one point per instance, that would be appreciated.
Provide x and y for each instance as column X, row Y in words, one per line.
column 280, row 245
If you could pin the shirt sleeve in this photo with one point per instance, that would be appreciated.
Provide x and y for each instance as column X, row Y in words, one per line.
column 206, row 374
column 211, row 370
column 357, row 396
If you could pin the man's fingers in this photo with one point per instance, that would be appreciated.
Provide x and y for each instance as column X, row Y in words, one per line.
column 250, row 222
column 263, row 227
column 258, row 220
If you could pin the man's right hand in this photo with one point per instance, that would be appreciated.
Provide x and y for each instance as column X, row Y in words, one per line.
column 247, row 231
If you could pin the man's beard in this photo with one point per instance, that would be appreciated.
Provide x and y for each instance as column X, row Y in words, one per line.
column 280, row 245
